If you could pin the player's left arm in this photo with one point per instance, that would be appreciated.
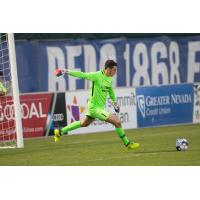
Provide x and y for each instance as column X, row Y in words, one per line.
column 114, row 100
column 92, row 76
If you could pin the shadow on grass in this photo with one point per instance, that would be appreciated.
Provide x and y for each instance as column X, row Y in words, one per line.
column 156, row 151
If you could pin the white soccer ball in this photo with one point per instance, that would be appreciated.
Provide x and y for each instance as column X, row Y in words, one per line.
column 182, row 144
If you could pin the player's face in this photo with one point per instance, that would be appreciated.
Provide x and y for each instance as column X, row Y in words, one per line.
column 113, row 71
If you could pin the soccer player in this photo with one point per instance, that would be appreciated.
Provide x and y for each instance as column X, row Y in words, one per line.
column 3, row 90
column 101, row 86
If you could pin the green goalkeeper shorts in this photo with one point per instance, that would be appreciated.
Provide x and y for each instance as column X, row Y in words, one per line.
column 98, row 113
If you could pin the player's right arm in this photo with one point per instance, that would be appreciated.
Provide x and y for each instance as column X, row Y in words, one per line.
column 92, row 76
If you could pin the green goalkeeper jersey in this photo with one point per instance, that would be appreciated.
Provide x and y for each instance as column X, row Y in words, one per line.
column 100, row 87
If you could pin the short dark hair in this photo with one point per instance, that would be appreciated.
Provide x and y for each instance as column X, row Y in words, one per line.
column 110, row 64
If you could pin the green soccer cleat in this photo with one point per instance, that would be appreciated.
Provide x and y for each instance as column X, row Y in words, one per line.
column 57, row 135
column 133, row 145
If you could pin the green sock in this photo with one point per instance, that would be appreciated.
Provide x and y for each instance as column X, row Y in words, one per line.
column 70, row 127
column 121, row 133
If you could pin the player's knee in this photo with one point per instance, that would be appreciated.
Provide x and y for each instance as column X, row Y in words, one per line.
column 118, row 123
column 85, row 124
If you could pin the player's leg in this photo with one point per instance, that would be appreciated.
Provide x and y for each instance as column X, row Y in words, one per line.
column 113, row 119
column 75, row 125
column 58, row 132
column 106, row 116
column 87, row 121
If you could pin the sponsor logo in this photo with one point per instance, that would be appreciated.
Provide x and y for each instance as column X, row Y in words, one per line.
column 58, row 117
column 141, row 104
column 28, row 111
column 181, row 99
column 159, row 105
column 75, row 111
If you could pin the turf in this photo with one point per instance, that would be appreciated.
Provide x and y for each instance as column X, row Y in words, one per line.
column 106, row 149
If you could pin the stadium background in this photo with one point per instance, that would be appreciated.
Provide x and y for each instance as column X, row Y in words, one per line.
column 155, row 181
column 145, row 61
column 157, row 88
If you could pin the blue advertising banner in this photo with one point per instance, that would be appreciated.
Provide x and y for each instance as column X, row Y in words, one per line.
column 164, row 105
column 141, row 61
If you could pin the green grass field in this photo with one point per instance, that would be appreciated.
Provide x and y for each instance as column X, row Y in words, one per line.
column 106, row 149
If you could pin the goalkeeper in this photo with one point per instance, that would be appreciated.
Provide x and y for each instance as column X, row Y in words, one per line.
column 101, row 86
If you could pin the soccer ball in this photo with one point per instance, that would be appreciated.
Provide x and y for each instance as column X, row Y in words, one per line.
column 182, row 144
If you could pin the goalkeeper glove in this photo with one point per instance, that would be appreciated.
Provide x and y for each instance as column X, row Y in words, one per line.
column 116, row 107
column 60, row 72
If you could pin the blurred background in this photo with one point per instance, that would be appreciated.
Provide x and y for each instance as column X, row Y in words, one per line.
column 145, row 61
column 39, row 54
